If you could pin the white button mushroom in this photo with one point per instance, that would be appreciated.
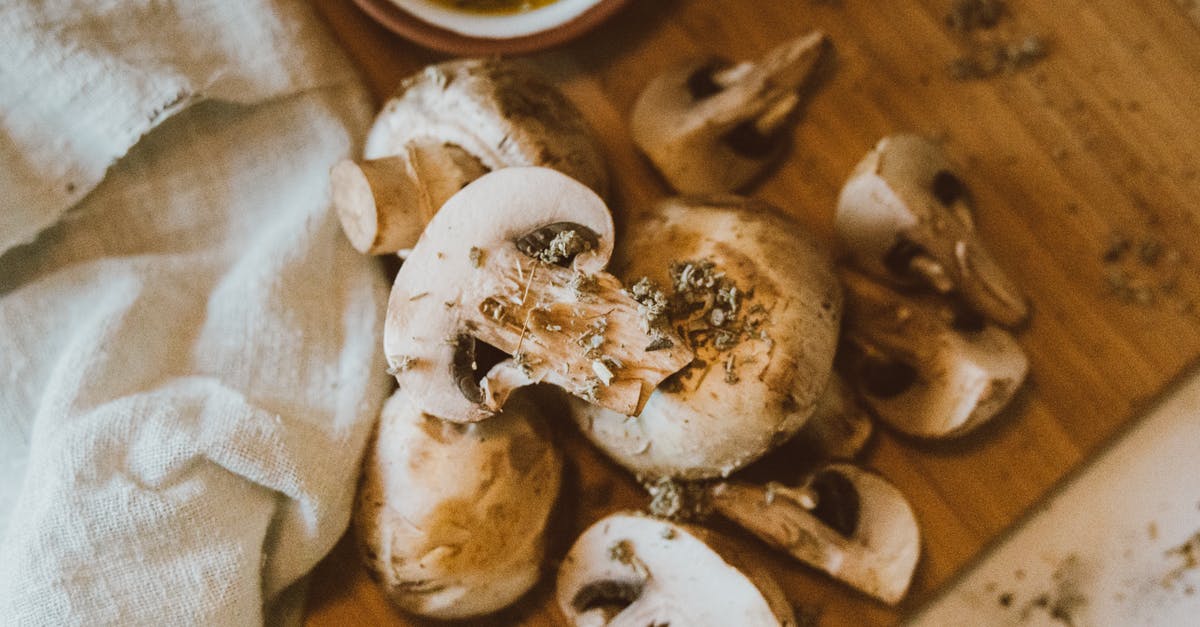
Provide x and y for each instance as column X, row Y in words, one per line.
column 451, row 517
column 906, row 217
column 760, row 304
column 447, row 126
column 923, row 366
column 712, row 127
column 629, row 569
column 515, row 261
column 847, row 522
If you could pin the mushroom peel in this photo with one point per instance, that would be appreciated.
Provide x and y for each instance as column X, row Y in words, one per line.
column 921, row 366
column 629, row 569
column 447, row 126
column 712, row 127
column 490, row 267
column 759, row 377
column 849, row 523
column 906, row 217
column 450, row 518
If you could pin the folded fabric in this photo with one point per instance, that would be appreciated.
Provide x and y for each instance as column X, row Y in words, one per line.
column 190, row 356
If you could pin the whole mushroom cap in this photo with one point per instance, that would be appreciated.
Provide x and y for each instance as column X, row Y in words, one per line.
column 497, row 111
column 451, row 517
column 735, row 403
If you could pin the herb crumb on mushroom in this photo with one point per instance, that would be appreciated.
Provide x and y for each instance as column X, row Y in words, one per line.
column 476, row 256
column 768, row 278
column 565, row 245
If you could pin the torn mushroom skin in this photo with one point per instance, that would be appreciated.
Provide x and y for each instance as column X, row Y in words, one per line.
column 450, row 518
column 764, row 336
column 447, row 126
column 515, row 261
column 906, row 217
column 712, row 126
column 630, row 569
column 923, row 365
column 847, row 522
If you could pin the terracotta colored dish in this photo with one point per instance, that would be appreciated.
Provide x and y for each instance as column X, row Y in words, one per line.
column 410, row 27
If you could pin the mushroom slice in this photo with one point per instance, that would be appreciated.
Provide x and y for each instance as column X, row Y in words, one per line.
column 447, row 126
column 712, row 127
column 515, row 261
column 839, row 427
column 760, row 305
column 847, row 522
column 451, row 518
column 922, row 366
column 630, row 569
column 906, row 217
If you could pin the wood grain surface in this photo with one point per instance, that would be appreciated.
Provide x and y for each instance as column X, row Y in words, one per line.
column 1101, row 139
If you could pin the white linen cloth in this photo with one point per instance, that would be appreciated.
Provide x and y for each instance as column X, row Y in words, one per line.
column 189, row 349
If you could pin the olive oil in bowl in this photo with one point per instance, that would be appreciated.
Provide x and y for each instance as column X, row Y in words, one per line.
column 494, row 7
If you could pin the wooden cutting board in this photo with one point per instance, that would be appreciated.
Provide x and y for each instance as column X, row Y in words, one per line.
column 1101, row 139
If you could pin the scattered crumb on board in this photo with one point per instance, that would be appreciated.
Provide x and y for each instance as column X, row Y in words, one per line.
column 988, row 52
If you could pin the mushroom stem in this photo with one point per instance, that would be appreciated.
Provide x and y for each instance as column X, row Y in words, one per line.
column 727, row 77
column 789, row 65
column 987, row 287
column 932, row 272
column 372, row 201
column 777, row 115
column 384, row 204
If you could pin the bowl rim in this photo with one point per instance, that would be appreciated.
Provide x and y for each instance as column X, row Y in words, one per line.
column 409, row 26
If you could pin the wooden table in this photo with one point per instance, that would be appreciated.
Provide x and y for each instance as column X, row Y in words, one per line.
column 1100, row 138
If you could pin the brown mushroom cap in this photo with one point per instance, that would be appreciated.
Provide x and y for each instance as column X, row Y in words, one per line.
column 451, row 517
column 736, row 402
column 630, row 569
column 500, row 112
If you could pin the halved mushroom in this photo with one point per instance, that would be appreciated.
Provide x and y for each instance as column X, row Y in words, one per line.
column 906, row 217
column 712, row 126
column 630, row 569
column 515, row 261
column 450, row 517
column 922, row 365
column 840, row 427
column 847, row 522
column 447, row 126
column 759, row 304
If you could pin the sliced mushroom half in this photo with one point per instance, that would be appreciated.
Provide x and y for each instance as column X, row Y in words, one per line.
column 450, row 517
column 758, row 302
column 515, row 261
column 712, row 126
column 446, row 126
column 906, row 217
column 633, row 570
column 847, row 522
column 922, row 365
